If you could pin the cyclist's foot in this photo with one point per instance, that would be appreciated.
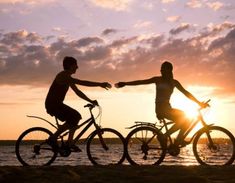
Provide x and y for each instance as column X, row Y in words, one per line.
column 52, row 142
column 75, row 148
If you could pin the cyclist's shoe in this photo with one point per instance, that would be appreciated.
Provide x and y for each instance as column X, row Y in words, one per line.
column 52, row 142
column 75, row 148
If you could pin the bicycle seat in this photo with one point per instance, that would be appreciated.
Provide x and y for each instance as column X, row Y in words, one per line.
column 165, row 121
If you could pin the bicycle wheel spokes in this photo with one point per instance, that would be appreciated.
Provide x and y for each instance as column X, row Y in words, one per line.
column 218, row 149
column 107, row 150
column 143, row 147
column 31, row 148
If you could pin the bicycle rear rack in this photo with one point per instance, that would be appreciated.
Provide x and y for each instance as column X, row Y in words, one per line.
column 142, row 123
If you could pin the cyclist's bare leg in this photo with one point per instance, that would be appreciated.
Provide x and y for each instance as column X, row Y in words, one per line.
column 181, row 123
column 180, row 138
column 70, row 142
column 71, row 134
column 173, row 129
column 60, row 130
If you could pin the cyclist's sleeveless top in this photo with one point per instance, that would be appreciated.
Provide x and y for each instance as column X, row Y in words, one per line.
column 163, row 94
column 163, row 91
column 57, row 90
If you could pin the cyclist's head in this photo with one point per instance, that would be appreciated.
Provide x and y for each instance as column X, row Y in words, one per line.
column 69, row 62
column 166, row 70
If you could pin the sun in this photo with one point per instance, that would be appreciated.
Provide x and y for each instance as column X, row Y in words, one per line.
column 189, row 107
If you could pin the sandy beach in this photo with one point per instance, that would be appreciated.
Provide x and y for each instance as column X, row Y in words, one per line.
column 117, row 174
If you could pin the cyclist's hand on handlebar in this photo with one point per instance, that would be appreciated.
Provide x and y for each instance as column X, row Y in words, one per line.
column 204, row 104
column 106, row 85
column 95, row 103
column 119, row 84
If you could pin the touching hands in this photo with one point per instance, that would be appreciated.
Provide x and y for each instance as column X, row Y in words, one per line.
column 106, row 85
column 120, row 84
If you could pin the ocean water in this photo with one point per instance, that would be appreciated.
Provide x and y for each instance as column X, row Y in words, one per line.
column 8, row 158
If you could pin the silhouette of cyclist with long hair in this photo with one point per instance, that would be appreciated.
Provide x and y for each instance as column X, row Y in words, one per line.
column 165, row 85
column 55, row 97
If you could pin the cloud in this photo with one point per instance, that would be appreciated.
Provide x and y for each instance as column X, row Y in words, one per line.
column 181, row 28
column 20, row 37
column 215, row 5
column 30, row 2
column 173, row 18
column 143, row 24
column 194, row 4
column 199, row 4
column 117, row 5
column 206, row 58
column 109, row 31
column 167, row 1
column 87, row 41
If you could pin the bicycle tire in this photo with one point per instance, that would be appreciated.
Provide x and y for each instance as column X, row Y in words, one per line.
column 31, row 148
column 222, row 152
column 139, row 151
column 115, row 152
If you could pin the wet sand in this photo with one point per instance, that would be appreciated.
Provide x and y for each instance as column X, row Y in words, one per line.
column 117, row 174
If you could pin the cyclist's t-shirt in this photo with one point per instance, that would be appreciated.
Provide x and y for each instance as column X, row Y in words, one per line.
column 55, row 97
column 58, row 89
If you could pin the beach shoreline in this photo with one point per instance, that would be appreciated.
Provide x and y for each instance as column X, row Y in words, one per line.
column 118, row 174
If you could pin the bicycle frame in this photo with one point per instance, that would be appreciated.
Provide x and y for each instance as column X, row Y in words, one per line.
column 166, row 123
column 88, row 124
column 191, row 127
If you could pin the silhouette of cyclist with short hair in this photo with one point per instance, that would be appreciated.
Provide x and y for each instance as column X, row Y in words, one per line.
column 165, row 85
column 55, row 97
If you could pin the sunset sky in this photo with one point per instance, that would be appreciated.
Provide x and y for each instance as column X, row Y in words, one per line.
column 115, row 40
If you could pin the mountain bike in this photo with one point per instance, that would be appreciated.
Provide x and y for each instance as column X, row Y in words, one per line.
column 104, row 145
column 147, row 144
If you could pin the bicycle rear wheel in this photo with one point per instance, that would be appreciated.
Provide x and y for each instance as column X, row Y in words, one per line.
column 220, row 150
column 143, row 146
column 32, row 149
column 109, row 149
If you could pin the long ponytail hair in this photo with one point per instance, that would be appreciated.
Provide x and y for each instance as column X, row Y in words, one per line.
column 167, row 71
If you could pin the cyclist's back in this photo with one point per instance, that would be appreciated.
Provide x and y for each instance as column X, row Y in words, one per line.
column 58, row 89
column 57, row 92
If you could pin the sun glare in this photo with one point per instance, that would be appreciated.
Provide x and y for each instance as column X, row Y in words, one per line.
column 189, row 107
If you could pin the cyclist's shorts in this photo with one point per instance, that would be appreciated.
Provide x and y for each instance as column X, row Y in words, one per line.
column 65, row 113
column 164, row 110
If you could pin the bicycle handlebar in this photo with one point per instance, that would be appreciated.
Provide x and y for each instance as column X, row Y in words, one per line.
column 207, row 101
column 90, row 106
column 206, row 105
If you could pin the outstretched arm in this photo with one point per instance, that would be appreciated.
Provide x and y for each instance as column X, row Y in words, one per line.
column 105, row 85
column 188, row 94
column 136, row 82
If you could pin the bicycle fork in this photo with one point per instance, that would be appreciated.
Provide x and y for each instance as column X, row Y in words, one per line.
column 101, row 138
column 211, row 144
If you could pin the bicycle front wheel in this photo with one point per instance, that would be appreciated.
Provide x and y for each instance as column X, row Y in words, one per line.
column 106, row 146
column 143, row 146
column 31, row 147
column 214, row 146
